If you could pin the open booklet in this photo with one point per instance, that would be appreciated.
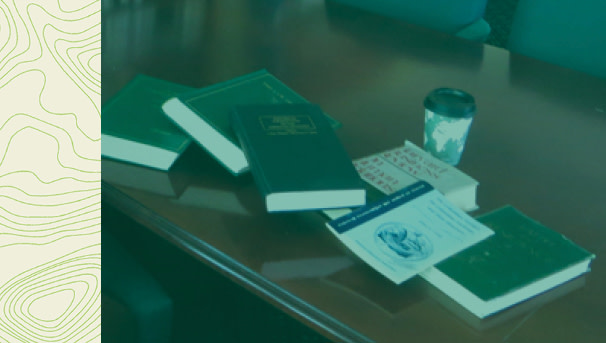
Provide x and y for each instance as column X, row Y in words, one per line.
column 389, row 171
column 408, row 231
column 393, row 169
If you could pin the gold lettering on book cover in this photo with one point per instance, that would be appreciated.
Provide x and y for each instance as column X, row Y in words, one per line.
column 282, row 125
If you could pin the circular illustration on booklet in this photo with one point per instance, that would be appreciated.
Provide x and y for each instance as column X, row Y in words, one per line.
column 404, row 244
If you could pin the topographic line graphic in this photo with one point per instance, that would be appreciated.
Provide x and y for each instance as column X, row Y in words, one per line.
column 50, row 171
column 55, row 301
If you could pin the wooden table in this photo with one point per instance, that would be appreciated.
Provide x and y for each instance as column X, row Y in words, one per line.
column 536, row 143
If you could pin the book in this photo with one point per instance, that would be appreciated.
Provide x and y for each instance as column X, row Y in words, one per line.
column 390, row 170
column 524, row 258
column 408, row 231
column 296, row 158
column 134, row 128
column 204, row 113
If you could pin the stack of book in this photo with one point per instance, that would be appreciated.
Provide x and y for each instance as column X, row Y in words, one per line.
column 401, row 211
column 253, row 122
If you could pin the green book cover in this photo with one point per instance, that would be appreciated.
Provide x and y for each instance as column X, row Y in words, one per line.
column 296, row 158
column 522, row 259
column 204, row 113
column 134, row 127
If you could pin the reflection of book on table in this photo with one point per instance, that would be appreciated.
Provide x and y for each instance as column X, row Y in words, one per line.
column 391, row 170
column 524, row 258
column 508, row 315
column 141, row 178
column 296, row 158
column 223, row 200
column 134, row 128
column 363, row 286
column 204, row 113
column 313, row 267
column 408, row 231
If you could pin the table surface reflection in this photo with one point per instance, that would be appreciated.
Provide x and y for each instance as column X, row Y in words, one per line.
column 536, row 144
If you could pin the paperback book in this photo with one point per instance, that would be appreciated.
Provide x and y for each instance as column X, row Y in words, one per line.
column 296, row 158
column 134, row 128
column 408, row 231
column 521, row 260
column 390, row 170
column 204, row 113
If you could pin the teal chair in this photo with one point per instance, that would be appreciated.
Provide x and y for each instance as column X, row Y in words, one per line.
column 569, row 33
column 463, row 18
column 135, row 307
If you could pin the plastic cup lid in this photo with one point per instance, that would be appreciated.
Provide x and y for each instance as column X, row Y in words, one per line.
column 451, row 102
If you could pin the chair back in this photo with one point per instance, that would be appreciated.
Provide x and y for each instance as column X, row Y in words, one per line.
column 443, row 15
column 569, row 33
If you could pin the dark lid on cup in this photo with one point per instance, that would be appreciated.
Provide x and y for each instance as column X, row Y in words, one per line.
column 451, row 102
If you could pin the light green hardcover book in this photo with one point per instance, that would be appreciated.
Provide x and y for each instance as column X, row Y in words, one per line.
column 204, row 113
column 521, row 260
column 135, row 129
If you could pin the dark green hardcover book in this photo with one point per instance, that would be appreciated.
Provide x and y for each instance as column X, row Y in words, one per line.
column 296, row 159
column 521, row 260
column 204, row 113
column 134, row 128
